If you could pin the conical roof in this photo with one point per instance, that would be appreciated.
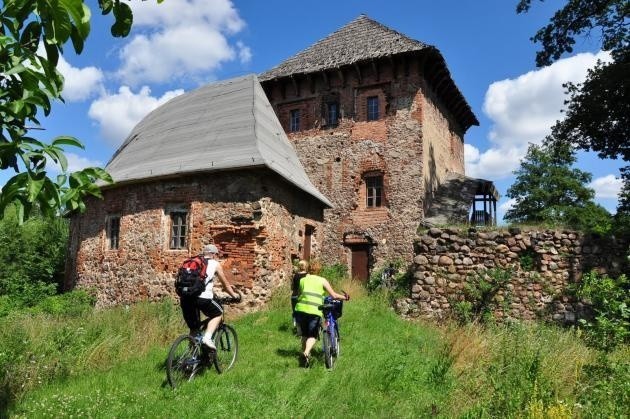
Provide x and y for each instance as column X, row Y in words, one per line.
column 225, row 125
column 360, row 40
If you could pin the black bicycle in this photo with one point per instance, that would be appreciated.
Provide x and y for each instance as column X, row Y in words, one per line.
column 331, row 340
column 188, row 357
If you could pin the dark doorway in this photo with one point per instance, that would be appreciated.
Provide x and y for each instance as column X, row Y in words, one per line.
column 308, row 234
column 360, row 262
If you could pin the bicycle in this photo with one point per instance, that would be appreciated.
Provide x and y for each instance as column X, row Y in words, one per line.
column 188, row 357
column 329, row 330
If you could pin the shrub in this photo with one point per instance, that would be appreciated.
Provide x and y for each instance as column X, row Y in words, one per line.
column 74, row 303
column 334, row 273
column 398, row 282
column 478, row 299
column 610, row 300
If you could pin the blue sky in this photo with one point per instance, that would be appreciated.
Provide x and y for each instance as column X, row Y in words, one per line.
column 181, row 44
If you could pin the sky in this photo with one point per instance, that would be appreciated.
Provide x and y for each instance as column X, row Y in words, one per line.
column 179, row 45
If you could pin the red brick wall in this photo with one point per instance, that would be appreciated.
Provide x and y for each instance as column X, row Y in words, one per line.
column 337, row 158
column 240, row 211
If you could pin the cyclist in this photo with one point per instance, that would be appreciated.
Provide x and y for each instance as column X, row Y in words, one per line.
column 302, row 268
column 205, row 302
column 307, row 313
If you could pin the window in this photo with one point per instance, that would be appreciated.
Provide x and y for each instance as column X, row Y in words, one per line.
column 294, row 123
column 374, row 191
column 372, row 108
column 178, row 229
column 113, row 232
column 333, row 114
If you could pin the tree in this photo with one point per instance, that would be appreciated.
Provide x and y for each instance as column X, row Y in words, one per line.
column 29, row 84
column 548, row 189
column 598, row 110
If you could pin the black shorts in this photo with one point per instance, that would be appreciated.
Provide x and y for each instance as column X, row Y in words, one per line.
column 308, row 324
column 192, row 306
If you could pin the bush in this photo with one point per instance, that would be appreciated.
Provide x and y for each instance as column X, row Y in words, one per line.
column 478, row 300
column 610, row 300
column 334, row 273
column 74, row 303
column 398, row 282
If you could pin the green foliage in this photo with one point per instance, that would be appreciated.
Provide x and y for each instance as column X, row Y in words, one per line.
column 29, row 84
column 598, row 110
column 605, row 388
column 610, row 300
column 527, row 259
column 548, row 190
column 112, row 361
column 398, row 283
column 478, row 301
column 32, row 259
column 334, row 273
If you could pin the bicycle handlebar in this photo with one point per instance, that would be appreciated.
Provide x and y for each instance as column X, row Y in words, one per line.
column 228, row 300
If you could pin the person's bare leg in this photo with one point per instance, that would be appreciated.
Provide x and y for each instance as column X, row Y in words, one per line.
column 212, row 326
column 310, row 342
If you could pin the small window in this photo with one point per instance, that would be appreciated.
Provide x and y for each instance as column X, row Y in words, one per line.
column 374, row 191
column 113, row 232
column 333, row 114
column 178, row 229
column 372, row 108
column 294, row 123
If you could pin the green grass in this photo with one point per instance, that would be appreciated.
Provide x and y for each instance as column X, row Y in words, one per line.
column 388, row 367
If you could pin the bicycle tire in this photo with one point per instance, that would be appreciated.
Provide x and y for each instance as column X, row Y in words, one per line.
column 337, row 341
column 226, row 342
column 328, row 356
column 184, row 360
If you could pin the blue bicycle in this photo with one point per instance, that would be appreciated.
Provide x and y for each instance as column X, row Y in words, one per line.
column 331, row 346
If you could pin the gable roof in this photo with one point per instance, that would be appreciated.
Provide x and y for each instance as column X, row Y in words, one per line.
column 225, row 125
column 364, row 39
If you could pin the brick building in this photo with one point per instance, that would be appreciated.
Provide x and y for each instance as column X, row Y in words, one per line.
column 339, row 153
column 210, row 166
column 379, row 125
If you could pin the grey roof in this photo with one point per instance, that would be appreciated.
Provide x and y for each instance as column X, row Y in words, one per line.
column 225, row 125
column 362, row 39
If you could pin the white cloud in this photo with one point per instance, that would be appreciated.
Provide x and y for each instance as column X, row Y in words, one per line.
column 244, row 53
column 75, row 163
column 607, row 186
column 118, row 113
column 506, row 206
column 492, row 164
column 184, row 38
column 79, row 83
column 523, row 110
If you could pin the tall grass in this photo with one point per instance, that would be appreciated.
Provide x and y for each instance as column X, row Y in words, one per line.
column 114, row 367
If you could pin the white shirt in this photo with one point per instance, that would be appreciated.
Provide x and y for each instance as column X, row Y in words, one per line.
column 211, row 270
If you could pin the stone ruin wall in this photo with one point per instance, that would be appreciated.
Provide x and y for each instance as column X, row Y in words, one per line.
column 445, row 258
column 258, row 234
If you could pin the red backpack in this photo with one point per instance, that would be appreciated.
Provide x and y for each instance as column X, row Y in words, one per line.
column 190, row 280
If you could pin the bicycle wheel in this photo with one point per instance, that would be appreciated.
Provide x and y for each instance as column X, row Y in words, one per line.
column 328, row 355
column 337, row 341
column 227, row 348
column 183, row 360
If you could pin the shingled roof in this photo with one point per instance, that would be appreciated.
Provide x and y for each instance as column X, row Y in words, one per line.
column 225, row 125
column 362, row 40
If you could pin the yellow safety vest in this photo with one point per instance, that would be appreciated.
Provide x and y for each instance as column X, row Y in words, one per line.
column 311, row 295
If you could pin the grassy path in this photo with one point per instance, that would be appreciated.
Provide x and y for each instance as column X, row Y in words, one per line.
column 387, row 369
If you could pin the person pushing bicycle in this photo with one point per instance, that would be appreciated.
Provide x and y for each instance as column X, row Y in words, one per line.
column 205, row 302
column 308, row 315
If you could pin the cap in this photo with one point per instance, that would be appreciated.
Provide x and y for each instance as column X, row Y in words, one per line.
column 210, row 248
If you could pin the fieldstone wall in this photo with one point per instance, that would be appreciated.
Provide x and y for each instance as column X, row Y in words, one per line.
column 543, row 264
column 254, row 216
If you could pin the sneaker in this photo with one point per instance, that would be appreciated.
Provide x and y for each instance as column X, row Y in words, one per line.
column 305, row 360
column 209, row 343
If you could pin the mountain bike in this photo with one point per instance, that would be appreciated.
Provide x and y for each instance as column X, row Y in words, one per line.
column 329, row 331
column 188, row 357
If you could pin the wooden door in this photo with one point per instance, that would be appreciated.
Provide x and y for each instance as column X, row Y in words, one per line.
column 360, row 263
column 308, row 234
